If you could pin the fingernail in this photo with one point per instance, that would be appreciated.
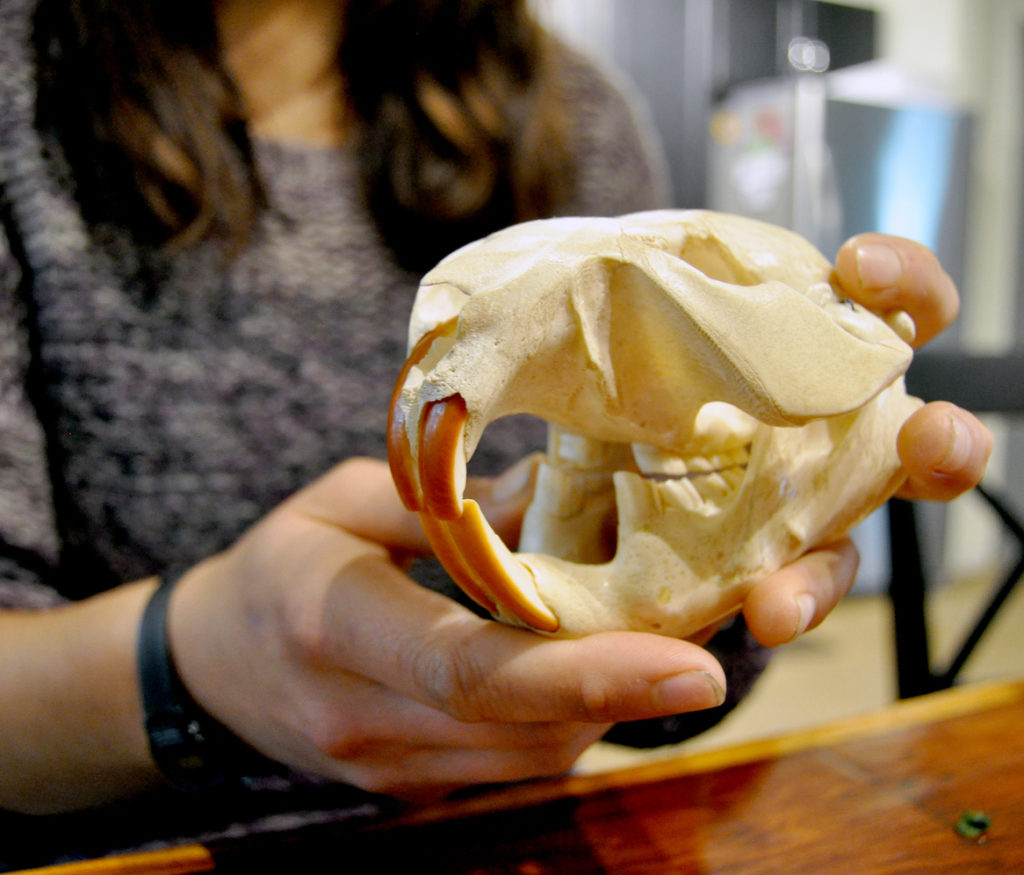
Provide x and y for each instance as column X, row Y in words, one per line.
column 959, row 451
column 808, row 607
column 878, row 266
column 689, row 691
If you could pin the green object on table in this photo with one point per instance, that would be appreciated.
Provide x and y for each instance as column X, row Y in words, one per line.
column 973, row 824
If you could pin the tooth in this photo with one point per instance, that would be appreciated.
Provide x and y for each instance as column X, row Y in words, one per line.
column 739, row 456
column 682, row 494
column 501, row 576
column 559, row 492
column 734, row 477
column 719, row 424
column 455, row 562
column 583, row 452
column 654, row 461
column 700, row 465
column 442, row 457
column 637, row 498
column 712, row 483
column 714, row 489
column 822, row 294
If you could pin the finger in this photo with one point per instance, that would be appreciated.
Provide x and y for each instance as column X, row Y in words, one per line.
column 426, row 647
column 383, row 742
column 358, row 719
column 944, row 450
column 800, row 595
column 888, row 274
column 425, row 774
column 358, row 495
column 340, row 725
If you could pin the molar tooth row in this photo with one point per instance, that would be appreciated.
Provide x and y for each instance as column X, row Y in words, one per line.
column 718, row 461
column 715, row 488
column 708, row 493
column 654, row 461
column 703, row 464
column 682, row 494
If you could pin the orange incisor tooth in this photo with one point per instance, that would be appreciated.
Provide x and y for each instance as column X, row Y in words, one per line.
column 442, row 462
column 400, row 458
column 450, row 557
column 433, row 483
column 497, row 570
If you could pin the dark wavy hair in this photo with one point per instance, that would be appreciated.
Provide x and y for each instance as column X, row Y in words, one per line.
column 458, row 129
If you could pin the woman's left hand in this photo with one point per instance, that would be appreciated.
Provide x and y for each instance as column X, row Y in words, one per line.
column 944, row 449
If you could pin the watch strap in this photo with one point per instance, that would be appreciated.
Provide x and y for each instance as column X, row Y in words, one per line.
column 192, row 749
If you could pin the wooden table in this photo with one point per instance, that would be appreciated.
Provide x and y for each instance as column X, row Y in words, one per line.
column 880, row 793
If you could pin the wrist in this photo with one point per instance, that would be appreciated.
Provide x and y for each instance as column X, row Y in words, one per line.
column 192, row 749
column 73, row 736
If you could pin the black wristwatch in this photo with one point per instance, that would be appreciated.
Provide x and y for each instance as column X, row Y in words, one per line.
column 192, row 749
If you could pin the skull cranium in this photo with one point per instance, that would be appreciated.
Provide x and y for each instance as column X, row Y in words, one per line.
column 708, row 394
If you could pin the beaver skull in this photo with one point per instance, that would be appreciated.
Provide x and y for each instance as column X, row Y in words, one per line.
column 712, row 403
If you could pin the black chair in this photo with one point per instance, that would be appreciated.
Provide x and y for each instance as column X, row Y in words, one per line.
column 981, row 384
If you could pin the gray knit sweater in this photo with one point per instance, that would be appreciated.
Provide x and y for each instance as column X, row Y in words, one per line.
column 153, row 406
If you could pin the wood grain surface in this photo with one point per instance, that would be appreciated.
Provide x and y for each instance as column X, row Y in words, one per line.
column 880, row 794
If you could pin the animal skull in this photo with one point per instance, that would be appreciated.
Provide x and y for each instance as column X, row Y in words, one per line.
column 705, row 387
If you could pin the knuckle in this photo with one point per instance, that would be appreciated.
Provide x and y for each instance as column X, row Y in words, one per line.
column 337, row 736
column 448, row 676
column 600, row 698
column 305, row 633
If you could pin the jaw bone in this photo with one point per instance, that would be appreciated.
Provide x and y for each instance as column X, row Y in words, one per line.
column 706, row 390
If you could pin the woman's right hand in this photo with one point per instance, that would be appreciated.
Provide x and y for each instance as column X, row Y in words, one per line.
column 310, row 643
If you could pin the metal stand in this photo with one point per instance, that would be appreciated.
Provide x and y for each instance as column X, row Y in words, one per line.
column 908, row 592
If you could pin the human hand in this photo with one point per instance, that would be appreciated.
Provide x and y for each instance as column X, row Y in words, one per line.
column 944, row 449
column 307, row 640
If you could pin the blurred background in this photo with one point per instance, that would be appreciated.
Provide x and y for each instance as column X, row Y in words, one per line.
column 831, row 118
